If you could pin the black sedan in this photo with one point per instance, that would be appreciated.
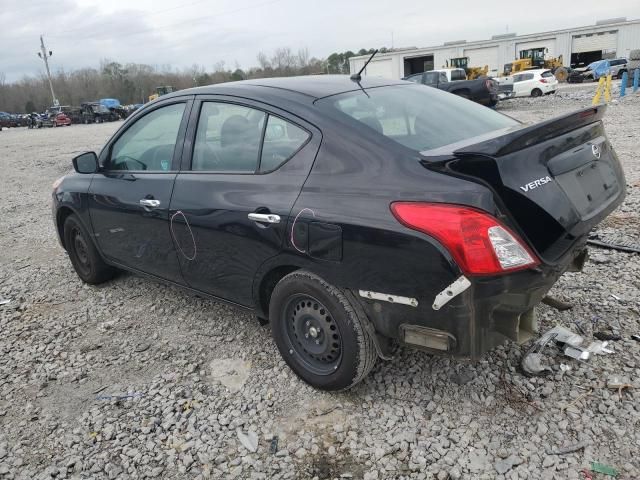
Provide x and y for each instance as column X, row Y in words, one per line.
column 352, row 215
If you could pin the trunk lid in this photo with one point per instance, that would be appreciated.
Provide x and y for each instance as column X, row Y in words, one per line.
column 556, row 179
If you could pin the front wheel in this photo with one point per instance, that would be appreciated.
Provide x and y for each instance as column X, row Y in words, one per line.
column 84, row 256
column 320, row 333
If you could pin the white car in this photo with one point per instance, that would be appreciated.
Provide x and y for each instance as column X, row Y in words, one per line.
column 534, row 83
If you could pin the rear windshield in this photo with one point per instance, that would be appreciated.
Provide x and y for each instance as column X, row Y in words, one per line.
column 547, row 74
column 417, row 116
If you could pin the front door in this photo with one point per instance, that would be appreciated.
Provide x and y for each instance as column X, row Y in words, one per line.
column 129, row 198
column 231, row 203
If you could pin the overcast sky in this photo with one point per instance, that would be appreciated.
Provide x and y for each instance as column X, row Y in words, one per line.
column 183, row 32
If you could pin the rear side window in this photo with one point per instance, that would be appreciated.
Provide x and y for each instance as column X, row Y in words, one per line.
column 546, row 74
column 282, row 140
column 416, row 117
column 458, row 75
column 227, row 138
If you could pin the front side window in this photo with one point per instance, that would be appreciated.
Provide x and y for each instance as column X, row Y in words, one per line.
column 149, row 143
column 416, row 117
column 227, row 138
column 282, row 140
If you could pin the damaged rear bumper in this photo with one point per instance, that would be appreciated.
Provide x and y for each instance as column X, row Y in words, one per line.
column 479, row 315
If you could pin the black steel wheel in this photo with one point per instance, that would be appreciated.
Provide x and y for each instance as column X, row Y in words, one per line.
column 321, row 332
column 84, row 256
column 313, row 333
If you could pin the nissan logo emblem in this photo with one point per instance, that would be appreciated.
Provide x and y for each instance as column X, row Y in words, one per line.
column 596, row 151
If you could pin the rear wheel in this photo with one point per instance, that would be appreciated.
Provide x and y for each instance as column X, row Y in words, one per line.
column 320, row 333
column 536, row 92
column 84, row 256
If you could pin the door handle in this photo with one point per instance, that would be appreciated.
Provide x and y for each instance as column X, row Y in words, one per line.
column 146, row 202
column 264, row 217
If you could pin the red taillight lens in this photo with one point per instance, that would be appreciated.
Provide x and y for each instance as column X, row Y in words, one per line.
column 477, row 241
column 543, row 80
column 490, row 84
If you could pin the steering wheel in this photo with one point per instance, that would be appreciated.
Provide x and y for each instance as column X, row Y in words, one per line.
column 124, row 161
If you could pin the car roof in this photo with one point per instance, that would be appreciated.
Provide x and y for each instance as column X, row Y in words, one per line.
column 315, row 86
column 535, row 70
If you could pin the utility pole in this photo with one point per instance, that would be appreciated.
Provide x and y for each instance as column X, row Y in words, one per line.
column 44, row 55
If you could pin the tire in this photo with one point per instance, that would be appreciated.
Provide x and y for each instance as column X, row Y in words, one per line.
column 84, row 256
column 536, row 92
column 620, row 73
column 336, row 351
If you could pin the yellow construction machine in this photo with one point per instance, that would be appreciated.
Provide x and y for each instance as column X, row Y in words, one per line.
column 536, row 58
column 472, row 72
column 161, row 91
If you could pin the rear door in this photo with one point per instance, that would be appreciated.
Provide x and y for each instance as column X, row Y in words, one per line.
column 129, row 198
column 244, row 166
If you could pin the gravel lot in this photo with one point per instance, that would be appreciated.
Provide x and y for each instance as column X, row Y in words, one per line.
column 135, row 379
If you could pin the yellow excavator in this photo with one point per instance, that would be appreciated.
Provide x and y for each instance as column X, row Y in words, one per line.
column 161, row 91
column 535, row 58
column 472, row 72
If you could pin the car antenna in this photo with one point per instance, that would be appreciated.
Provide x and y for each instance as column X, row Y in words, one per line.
column 356, row 77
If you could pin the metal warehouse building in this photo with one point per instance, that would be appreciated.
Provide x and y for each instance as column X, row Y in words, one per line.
column 578, row 46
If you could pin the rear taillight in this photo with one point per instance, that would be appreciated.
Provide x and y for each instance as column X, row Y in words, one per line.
column 544, row 80
column 490, row 84
column 477, row 241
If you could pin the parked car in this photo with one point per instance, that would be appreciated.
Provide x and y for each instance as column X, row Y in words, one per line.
column 481, row 90
column 5, row 120
column 52, row 119
column 95, row 112
column 591, row 72
column 618, row 67
column 534, row 83
column 350, row 214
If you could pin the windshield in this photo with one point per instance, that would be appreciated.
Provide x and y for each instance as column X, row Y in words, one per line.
column 416, row 116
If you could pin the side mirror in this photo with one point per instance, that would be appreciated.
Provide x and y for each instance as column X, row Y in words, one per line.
column 86, row 163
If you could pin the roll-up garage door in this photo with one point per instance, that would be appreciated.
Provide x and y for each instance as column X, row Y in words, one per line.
column 549, row 43
column 479, row 57
column 380, row 68
column 589, row 42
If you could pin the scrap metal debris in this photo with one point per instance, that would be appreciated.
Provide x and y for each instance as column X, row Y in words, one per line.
column 557, row 304
column 614, row 246
column 568, row 449
column 274, row 445
column 4, row 301
column 612, row 337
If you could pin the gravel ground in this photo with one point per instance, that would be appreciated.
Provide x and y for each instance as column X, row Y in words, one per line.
column 135, row 379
